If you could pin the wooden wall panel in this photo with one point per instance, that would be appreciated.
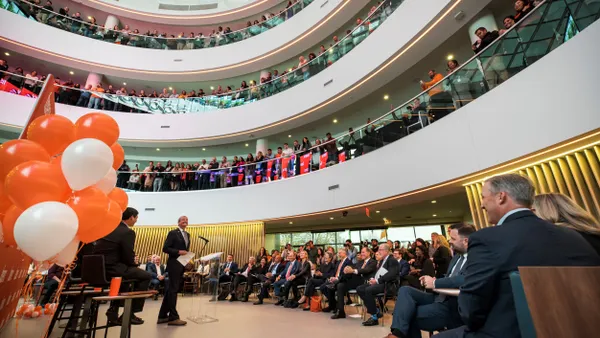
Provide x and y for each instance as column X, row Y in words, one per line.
column 576, row 174
column 240, row 239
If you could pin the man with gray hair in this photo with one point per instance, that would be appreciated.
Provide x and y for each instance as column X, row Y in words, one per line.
column 485, row 302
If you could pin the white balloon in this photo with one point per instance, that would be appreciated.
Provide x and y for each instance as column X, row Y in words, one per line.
column 43, row 230
column 67, row 254
column 85, row 162
column 108, row 182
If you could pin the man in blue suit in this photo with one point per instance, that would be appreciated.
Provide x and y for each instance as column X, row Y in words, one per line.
column 291, row 268
column 330, row 287
column 227, row 272
column 160, row 277
column 416, row 310
column 403, row 265
column 486, row 302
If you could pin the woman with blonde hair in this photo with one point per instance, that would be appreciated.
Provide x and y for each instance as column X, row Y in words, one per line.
column 562, row 211
column 441, row 256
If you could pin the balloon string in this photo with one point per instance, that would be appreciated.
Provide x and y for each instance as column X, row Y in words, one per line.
column 59, row 290
column 26, row 291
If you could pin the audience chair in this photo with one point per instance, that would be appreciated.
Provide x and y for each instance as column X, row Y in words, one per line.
column 523, row 315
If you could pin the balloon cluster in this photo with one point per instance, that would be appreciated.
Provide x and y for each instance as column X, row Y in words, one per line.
column 57, row 187
column 32, row 311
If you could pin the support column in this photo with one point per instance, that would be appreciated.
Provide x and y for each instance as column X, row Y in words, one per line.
column 93, row 79
column 262, row 145
column 111, row 22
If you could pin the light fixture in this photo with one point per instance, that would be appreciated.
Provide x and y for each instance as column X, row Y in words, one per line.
column 334, row 120
column 289, row 136
column 212, row 88
column 203, row 149
column 89, row 18
column 377, row 211
column 246, row 144
column 170, row 88
column 331, row 218
column 291, row 222
column 7, row 53
column 386, row 97
column 433, row 202
column 124, row 83
column 72, row 72
column 434, row 215
column 289, row 70
column 450, row 57
column 157, row 149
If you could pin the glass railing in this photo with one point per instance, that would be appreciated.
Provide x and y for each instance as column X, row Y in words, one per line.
column 273, row 84
column 155, row 39
column 548, row 26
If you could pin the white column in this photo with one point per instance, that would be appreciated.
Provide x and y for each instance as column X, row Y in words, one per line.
column 111, row 21
column 262, row 145
column 486, row 19
column 93, row 79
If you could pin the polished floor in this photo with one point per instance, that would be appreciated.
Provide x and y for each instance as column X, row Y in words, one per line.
column 235, row 319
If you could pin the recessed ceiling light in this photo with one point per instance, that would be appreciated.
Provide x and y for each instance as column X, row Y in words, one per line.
column 71, row 72
column 157, row 149
column 330, row 217
column 434, row 215
column 377, row 211
column 450, row 57
column 170, row 88
column 334, row 120
column 450, row 211
column 212, row 88
column 89, row 18
column 289, row 70
column 246, row 144
column 203, row 149
column 289, row 136
column 7, row 53
column 434, row 202
column 124, row 83
column 386, row 96
column 291, row 222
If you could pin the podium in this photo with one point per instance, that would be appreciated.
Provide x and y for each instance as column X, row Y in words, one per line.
column 200, row 311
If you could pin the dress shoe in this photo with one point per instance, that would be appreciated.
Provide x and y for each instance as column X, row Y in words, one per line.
column 162, row 320
column 155, row 297
column 327, row 309
column 339, row 315
column 233, row 298
column 371, row 322
column 112, row 315
column 294, row 304
column 135, row 320
column 280, row 302
column 306, row 309
column 258, row 302
column 244, row 299
column 177, row 322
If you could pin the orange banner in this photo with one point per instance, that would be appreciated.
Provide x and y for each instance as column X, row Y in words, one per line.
column 44, row 104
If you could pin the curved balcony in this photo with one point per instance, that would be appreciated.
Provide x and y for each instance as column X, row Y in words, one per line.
column 456, row 145
column 273, row 46
column 156, row 40
column 453, row 150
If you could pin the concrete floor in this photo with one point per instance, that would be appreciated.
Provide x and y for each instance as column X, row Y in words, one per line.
column 236, row 319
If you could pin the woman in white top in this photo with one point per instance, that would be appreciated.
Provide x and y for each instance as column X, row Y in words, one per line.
column 31, row 80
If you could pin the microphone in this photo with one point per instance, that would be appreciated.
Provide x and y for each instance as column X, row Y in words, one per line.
column 204, row 239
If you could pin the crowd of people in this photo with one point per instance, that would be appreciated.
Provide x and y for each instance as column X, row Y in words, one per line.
column 271, row 83
column 78, row 23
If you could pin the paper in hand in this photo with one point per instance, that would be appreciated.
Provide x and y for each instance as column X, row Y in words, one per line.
column 382, row 271
column 184, row 259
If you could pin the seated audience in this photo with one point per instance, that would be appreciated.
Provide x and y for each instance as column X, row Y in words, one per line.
column 403, row 266
column 416, row 310
column 160, row 277
column 299, row 277
column 227, row 273
column 329, row 288
column 485, row 302
column 261, row 269
column 384, row 281
column 559, row 209
column 292, row 267
column 441, row 255
column 242, row 276
column 55, row 274
column 421, row 266
column 275, row 269
column 325, row 271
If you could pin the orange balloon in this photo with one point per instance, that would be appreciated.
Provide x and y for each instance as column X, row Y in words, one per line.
column 90, row 205
column 109, row 223
column 99, row 126
column 53, row 132
column 33, row 182
column 120, row 196
column 5, row 202
column 8, row 224
column 118, row 155
column 15, row 152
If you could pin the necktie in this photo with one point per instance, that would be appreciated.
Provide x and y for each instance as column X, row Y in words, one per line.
column 289, row 272
column 274, row 269
column 337, row 274
column 364, row 264
column 457, row 266
column 185, row 239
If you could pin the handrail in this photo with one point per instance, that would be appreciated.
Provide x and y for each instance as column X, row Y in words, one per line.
column 119, row 32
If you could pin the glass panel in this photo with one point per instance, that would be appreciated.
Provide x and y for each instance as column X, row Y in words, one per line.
column 425, row 231
column 403, row 234
column 324, row 238
column 342, row 236
column 300, row 238
column 355, row 237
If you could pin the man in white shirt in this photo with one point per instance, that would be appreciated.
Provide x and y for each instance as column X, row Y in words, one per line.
column 242, row 276
column 159, row 275
column 416, row 310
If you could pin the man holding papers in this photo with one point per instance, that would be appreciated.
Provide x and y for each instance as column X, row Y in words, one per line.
column 176, row 245
column 383, row 282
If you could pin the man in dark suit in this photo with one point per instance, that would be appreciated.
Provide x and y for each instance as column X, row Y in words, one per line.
column 486, row 301
column 384, row 281
column 160, row 276
column 242, row 276
column 352, row 277
column 329, row 288
column 176, row 244
column 291, row 268
column 119, row 260
column 267, row 279
column 403, row 266
column 416, row 310
column 226, row 273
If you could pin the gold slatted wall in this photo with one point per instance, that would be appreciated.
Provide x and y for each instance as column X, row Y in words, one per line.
column 576, row 174
column 240, row 239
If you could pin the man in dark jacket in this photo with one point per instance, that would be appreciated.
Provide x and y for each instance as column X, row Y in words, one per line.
column 119, row 259
column 485, row 39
